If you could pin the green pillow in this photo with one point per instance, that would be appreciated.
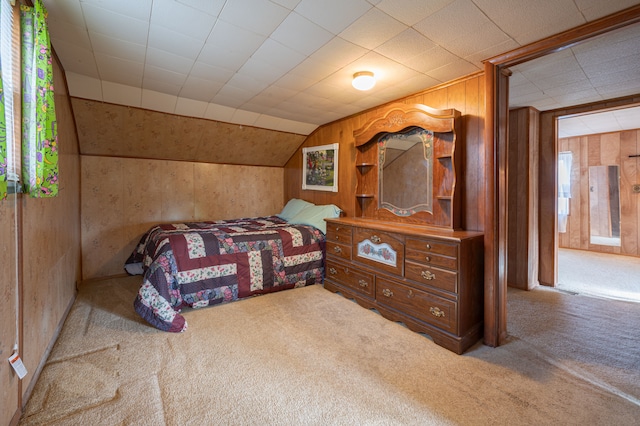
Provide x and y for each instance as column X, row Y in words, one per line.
column 293, row 207
column 315, row 215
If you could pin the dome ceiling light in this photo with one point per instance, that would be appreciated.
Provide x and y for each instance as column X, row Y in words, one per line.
column 363, row 80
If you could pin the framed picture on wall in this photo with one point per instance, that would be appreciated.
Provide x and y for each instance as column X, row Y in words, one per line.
column 320, row 168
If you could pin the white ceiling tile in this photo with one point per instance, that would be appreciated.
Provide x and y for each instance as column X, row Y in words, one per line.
column 453, row 70
column 219, row 112
column 161, row 87
column 410, row 12
column 115, row 25
column 594, row 9
column 372, row 29
column 406, row 45
column 182, row 18
column 289, row 4
column 119, row 71
column 264, row 16
column 164, row 75
column 244, row 117
column 121, row 94
column 539, row 22
column 199, row 89
column 338, row 52
column 210, row 7
column 333, row 15
column 82, row 86
column 300, row 34
column 190, row 107
column 117, row 47
column 139, row 9
column 247, row 83
column 174, row 42
column 67, row 11
column 278, row 56
column 314, row 69
column 233, row 96
column 76, row 59
column 294, row 82
column 487, row 35
column 158, row 101
column 70, row 33
column 209, row 72
column 431, row 59
column 169, row 61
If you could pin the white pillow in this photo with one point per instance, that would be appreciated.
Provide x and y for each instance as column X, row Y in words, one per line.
column 315, row 215
column 293, row 207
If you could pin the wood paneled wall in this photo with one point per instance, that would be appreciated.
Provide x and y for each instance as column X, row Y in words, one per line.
column 466, row 95
column 123, row 197
column 522, row 210
column 43, row 252
column 121, row 131
column 603, row 150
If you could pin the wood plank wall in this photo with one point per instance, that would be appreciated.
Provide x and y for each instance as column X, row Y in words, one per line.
column 522, row 170
column 466, row 95
column 603, row 150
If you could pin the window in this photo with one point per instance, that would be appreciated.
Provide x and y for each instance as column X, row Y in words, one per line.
column 10, row 54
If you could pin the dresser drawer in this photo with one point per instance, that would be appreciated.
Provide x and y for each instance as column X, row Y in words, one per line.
column 439, row 278
column 382, row 250
column 339, row 233
column 339, row 250
column 431, row 259
column 428, row 246
column 418, row 303
column 348, row 276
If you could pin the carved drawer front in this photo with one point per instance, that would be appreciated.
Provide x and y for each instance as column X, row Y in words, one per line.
column 339, row 233
column 432, row 247
column 350, row 277
column 417, row 303
column 339, row 250
column 440, row 278
column 379, row 249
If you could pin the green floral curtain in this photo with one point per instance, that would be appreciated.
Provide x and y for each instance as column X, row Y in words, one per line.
column 4, row 166
column 39, row 128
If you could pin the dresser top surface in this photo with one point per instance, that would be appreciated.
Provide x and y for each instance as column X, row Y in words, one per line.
column 405, row 228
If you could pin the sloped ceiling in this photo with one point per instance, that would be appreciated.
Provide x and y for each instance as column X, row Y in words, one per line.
column 287, row 65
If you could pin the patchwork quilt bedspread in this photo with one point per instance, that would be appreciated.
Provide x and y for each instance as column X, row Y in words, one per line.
column 198, row 264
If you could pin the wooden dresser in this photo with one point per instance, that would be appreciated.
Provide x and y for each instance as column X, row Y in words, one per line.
column 429, row 279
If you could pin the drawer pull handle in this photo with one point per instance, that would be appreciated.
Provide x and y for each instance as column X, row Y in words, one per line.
column 337, row 228
column 386, row 292
column 333, row 271
column 428, row 275
column 337, row 237
column 375, row 239
column 337, row 249
column 427, row 258
column 363, row 283
column 410, row 295
column 428, row 246
column 436, row 312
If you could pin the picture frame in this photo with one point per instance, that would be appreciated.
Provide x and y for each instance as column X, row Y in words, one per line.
column 320, row 168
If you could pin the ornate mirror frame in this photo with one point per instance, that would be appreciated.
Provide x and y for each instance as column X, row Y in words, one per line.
column 443, row 126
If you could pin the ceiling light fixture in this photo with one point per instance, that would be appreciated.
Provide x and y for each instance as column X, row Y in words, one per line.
column 363, row 80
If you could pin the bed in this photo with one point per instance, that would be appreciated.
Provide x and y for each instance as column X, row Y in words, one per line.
column 198, row 264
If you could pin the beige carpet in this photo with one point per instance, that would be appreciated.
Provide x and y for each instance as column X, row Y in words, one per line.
column 310, row 357
column 599, row 274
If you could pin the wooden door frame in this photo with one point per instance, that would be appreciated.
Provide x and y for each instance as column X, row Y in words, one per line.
column 496, row 116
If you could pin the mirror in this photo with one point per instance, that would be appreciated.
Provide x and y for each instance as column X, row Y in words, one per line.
column 404, row 158
column 604, row 205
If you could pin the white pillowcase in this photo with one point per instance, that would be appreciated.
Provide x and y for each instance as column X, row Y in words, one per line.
column 293, row 207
